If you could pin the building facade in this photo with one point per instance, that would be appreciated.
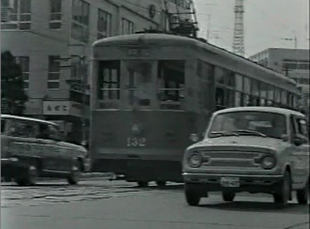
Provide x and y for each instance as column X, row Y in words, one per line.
column 294, row 63
column 51, row 39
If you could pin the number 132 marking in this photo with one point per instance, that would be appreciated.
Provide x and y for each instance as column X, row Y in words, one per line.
column 136, row 142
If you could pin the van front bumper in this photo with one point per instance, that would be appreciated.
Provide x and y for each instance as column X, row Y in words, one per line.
column 247, row 183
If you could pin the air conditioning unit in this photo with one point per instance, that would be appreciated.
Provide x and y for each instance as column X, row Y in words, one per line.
column 6, row 10
column 5, row 14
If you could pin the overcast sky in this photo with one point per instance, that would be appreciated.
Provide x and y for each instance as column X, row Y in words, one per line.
column 265, row 23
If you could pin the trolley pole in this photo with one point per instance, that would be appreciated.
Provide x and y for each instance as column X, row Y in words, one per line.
column 83, row 77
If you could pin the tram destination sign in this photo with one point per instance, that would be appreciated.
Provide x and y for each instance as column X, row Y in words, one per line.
column 138, row 52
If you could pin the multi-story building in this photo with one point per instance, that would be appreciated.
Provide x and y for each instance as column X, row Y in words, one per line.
column 294, row 63
column 52, row 38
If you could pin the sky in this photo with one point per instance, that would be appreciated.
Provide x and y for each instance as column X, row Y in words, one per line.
column 266, row 23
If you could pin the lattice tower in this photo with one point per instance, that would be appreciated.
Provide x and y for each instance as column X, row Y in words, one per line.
column 238, row 42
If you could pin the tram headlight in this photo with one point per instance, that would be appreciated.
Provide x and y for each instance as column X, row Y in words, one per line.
column 268, row 162
column 195, row 159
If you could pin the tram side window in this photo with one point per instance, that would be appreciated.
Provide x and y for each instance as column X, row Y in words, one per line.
column 225, row 83
column 263, row 93
column 171, row 79
column 284, row 98
column 108, row 86
column 270, row 95
column 247, row 91
column 205, row 71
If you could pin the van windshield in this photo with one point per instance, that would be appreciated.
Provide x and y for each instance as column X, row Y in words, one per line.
column 248, row 122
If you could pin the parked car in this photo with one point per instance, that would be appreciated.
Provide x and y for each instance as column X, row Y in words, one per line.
column 250, row 149
column 32, row 148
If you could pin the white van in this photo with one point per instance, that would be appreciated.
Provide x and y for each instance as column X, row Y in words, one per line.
column 250, row 149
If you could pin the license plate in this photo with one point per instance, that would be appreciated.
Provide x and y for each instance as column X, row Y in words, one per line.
column 230, row 182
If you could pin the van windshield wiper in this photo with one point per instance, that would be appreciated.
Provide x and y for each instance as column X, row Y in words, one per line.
column 216, row 134
column 250, row 132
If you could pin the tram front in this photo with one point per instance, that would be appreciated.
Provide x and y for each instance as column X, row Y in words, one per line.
column 140, row 123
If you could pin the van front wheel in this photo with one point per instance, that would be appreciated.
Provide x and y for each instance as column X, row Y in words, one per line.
column 303, row 194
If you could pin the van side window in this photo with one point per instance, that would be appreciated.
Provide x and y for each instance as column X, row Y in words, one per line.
column 302, row 128
column 23, row 129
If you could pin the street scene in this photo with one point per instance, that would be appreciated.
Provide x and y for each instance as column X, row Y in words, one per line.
column 131, row 114
column 116, row 204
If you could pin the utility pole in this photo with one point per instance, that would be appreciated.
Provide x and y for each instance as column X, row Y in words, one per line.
column 291, row 39
column 83, row 77
column 80, row 84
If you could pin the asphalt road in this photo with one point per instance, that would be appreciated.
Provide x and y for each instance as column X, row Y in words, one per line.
column 118, row 205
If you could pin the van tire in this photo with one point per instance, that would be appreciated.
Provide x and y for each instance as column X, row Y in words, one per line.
column 192, row 198
column 282, row 196
column 303, row 194
column 228, row 196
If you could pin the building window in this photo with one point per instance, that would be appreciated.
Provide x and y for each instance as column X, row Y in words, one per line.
column 53, row 80
column 127, row 26
column 80, row 23
column 17, row 15
column 55, row 14
column 104, row 24
column 75, row 63
column 23, row 61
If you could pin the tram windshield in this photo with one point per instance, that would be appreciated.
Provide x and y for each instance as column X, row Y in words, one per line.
column 140, row 77
column 142, row 83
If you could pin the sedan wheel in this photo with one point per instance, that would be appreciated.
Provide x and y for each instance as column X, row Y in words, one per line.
column 75, row 174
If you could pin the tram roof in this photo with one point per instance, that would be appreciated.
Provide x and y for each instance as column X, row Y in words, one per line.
column 156, row 38
column 260, row 109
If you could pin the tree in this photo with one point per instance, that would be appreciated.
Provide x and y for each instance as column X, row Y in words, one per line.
column 13, row 96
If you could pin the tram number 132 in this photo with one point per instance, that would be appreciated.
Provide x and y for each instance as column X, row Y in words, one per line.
column 136, row 142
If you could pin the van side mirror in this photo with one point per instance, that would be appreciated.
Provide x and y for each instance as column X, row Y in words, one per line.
column 285, row 137
column 194, row 138
column 298, row 140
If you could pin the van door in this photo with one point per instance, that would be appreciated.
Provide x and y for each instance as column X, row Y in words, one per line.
column 300, row 152
column 303, row 149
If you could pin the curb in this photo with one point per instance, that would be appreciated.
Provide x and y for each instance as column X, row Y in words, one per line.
column 103, row 176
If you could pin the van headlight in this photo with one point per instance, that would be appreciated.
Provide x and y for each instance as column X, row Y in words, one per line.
column 268, row 162
column 195, row 159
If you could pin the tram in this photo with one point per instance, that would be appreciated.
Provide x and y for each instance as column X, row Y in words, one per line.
column 152, row 91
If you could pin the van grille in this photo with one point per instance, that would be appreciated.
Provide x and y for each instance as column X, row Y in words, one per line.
column 231, row 159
